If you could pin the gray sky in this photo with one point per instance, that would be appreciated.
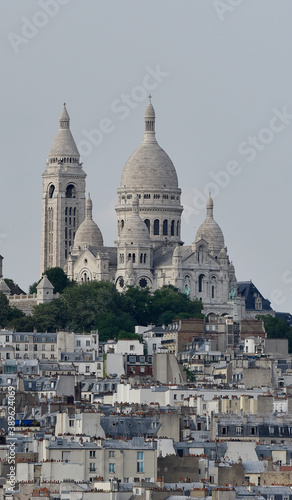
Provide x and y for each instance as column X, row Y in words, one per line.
column 222, row 95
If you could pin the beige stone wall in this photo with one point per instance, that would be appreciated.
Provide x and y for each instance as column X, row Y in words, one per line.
column 282, row 478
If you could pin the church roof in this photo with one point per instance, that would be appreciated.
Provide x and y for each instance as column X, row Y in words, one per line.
column 249, row 291
column 111, row 252
column 45, row 283
column 210, row 230
column 149, row 166
column 4, row 287
column 10, row 287
column 88, row 232
column 64, row 143
column 135, row 230
column 163, row 254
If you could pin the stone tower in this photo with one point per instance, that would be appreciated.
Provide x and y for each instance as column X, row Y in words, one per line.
column 150, row 174
column 134, row 252
column 63, row 207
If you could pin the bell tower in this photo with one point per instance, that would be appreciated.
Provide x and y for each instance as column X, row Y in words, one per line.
column 63, row 206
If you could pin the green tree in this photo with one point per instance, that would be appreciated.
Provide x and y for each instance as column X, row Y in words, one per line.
column 98, row 305
column 87, row 301
column 138, row 303
column 51, row 316
column 124, row 335
column 33, row 287
column 277, row 328
column 22, row 324
column 168, row 302
column 110, row 324
column 57, row 277
column 7, row 313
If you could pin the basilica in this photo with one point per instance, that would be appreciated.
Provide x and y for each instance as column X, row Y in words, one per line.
column 149, row 251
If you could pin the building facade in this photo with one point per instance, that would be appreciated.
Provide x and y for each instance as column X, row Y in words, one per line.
column 149, row 251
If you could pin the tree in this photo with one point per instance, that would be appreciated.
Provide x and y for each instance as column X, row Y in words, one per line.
column 138, row 303
column 110, row 324
column 123, row 335
column 98, row 305
column 168, row 302
column 7, row 313
column 22, row 324
column 51, row 316
column 58, row 278
column 87, row 302
column 33, row 287
column 277, row 328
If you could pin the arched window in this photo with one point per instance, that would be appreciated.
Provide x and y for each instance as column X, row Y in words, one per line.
column 201, row 254
column 172, row 228
column 145, row 258
column 156, row 227
column 177, row 228
column 51, row 191
column 201, row 283
column 147, row 222
column 70, row 191
column 141, row 258
column 122, row 223
column 213, row 286
column 165, row 227
column 134, row 257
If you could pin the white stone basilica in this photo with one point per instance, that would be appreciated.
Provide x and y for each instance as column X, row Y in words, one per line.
column 149, row 251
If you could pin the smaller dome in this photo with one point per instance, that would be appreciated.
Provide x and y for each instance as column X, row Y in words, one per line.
column 210, row 230
column 88, row 233
column 135, row 230
column 149, row 111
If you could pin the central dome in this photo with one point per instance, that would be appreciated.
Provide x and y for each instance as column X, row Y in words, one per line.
column 149, row 166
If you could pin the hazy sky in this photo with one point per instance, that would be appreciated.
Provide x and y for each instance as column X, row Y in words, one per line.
column 221, row 80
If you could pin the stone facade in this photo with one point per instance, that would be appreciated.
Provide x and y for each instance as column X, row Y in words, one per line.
column 149, row 251
column 63, row 197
